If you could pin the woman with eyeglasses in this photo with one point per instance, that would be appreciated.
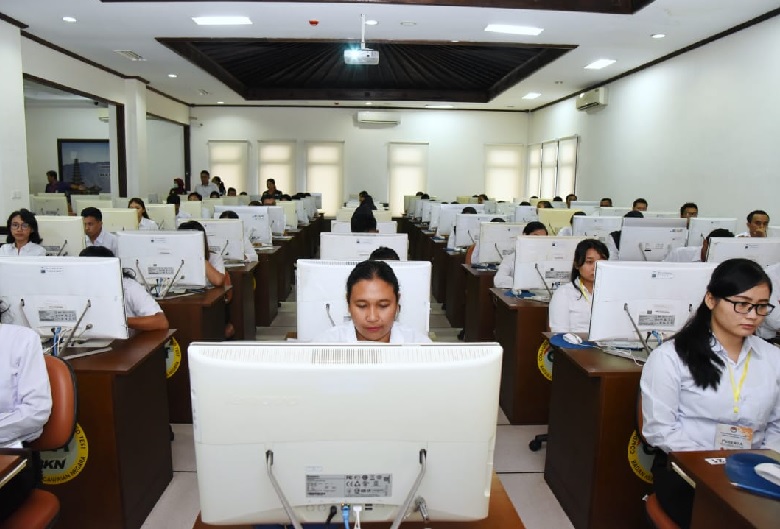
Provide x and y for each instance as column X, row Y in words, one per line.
column 23, row 237
column 715, row 385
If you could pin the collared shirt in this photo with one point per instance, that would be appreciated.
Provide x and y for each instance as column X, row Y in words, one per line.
column 25, row 396
column 346, row 333
column 678, row 415
column 570, row 308
column 685, row 254
column 28, row 250
column 182, row 216
column 218, row 263
column 106, row 239
column 205, row 191
column 250, row 254
column 138, row 302
column 147, row 224
column 566, row 231
column 505, row 275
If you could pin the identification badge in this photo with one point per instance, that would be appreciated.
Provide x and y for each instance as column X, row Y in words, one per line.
column 730, row 437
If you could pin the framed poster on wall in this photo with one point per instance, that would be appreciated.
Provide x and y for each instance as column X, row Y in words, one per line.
column 85, row 162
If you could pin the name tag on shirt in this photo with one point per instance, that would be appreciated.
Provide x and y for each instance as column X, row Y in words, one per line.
column 730, row 437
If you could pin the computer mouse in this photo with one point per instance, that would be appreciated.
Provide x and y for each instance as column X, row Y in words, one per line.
column 769, row 471
column 572, row 338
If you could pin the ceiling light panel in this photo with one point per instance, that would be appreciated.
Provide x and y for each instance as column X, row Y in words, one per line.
column 531, row 95
column 222, row 21
column 514, row 30
column 599, row 64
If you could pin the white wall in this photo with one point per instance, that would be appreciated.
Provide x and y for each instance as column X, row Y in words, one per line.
column 701, row 127
column 165, row 154
column 456, row 139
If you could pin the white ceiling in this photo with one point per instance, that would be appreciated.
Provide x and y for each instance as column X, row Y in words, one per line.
column 102, row 28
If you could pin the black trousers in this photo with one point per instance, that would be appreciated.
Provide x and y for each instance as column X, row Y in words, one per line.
column 674, row 494
column 13, row 493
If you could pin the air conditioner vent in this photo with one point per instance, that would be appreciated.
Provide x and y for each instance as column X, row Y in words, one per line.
column 592, row 99
column 130, row 54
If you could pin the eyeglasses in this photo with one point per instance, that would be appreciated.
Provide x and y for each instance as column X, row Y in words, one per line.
column 22, row 226
column 743, row 307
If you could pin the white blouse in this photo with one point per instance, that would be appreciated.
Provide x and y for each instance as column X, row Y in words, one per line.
column 346, row 333
column 28, row 250
column 570, row 308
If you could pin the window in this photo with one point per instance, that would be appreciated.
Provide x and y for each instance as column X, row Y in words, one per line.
column 504, row 171
column 552, row 167
column 229, row 161
column 407, row 167
column 276, row 159
column 324, row 173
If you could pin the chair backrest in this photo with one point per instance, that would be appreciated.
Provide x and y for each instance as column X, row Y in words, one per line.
column 59, row 429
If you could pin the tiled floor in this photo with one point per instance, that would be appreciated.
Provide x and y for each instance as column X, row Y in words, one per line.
column 519, row 469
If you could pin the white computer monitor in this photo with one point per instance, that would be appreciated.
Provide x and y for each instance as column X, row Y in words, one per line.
column 163, row 214
column 764, row 250
column 651, row 239
column 343, row 226
column 699, row 228
column 300, row 212
column 418, row 209
column 543, row 263
column 555, row 218
column 661, row 214
column 407, row 202
column 447, row 214
column 69, row 293
column 321, row 288
column 589, row 207
column 243, row 200
column 506, row 208
column 467, row 227
column 345, row 213
column 209, row 204
column 317, row 200
column 278, row 222
column 290, row 214
column 61, row 235
column 497, row 240
column 230, row 201
column 175, row 258
column 658, row 296
column 526, row 214
column 226, row 237
column 613, row 211
column 310, row 206
column 595, row 227
column 152, row 198
column 490, row 206
column 49, row 204
column 257, row 222
column 358, row 246
column 412, row 206
column 427, row 208
column 119, row 219
column 193, row 207
column 273, row 404
column 79, row 202
column 383, row 215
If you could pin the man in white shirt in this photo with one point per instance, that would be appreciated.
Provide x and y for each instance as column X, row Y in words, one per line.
column 93, row 229
column 176, row 201
column 757, row 223
column 205, row 188
column 696, row 254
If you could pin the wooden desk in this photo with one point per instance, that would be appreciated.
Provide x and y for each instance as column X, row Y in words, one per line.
column 124, row 452
column 197, row 318
column 439, row 271
column 501, row 515
column 287, row 270
column 267, row 272
column 12, row 461
column 455, row 297
column 717, row 503
column 592, row 419
column 242, row 307
column 480, row 315
column 525, row 391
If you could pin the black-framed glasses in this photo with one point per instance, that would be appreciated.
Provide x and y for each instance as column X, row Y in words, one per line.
column 744, row 307
column 18, row 226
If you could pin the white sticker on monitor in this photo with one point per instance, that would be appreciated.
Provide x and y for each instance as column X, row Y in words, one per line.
column 349, row 486
column 656, row 316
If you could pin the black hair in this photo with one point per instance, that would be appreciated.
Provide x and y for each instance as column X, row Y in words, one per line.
column 194, row 194
column 425, row 196
column 204, row 171
column 197, row 226
column 28, row 217
column 244, row 193
column 633, row 214
column 362, row 222
column 51, row 173
column 363, row 193
column 285, row 198
column 368, row 270
column 556, row 198
column 231, row 189
column 534, row 196
column 418, row 194
column 639, row 201
column 571, row 195
column 525, row 203
column 544, row 204
column 756, row 212
column 576, row 214
column 694, row 341
column 173, row 199
column 383, row 253
column 468, row 210
column 140, row 202
column 228, row 214
column 719, row 232
column 102, row 251
column 605, row 199
column 497, row 219
column 255, row 203
column 533, row 226
column 92, row 212
column 686, row 206
column 483, row 196
column 581, row 252
column 214, row 194
column 270, row 181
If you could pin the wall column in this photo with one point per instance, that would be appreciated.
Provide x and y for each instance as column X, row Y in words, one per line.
column 135, row 134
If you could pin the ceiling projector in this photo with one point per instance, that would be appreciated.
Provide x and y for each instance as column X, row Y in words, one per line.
column 361, row 56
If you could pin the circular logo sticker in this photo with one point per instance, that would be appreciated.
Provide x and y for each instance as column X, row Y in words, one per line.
column 172, row 357
column 544, row 359
column 61, row 466
column 640, row 462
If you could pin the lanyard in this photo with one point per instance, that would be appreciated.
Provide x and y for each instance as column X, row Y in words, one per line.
column 737, row 389
column 582, row 291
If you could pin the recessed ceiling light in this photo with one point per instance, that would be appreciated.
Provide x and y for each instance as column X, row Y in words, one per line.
column 172, row 75
column 439, row 106
column 222, row 21
column 369, row 103
column 408, row 23
column 454, row 41
column 513, row 30
column 68, row 19
column 371, row 22
column 531, row 95
column 599, row 64
column 220, row 102
column 658, row 35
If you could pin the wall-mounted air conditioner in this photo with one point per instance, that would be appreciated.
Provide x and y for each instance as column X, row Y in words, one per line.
column 378, row 118
column 592, row 99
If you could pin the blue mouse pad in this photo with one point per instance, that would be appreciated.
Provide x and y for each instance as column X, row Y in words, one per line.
column 740, row 469
column 558, row 341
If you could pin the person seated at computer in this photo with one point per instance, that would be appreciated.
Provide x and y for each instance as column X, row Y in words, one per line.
column 689, row 210
column 250, row 255
column 383, row 253
column 568, row 231
column 570, row 304
column 613, row 241
column 214, row 194
column 194, row 197
column 373, row 301
column 25, row 405
column 696, row 254
column 474, row 248
column 217, row 181
column 285, row 198
column 556, row 198
column 231, row 192
column 640, row 204
column 544, row 204
column 142, row 311
column 757, row 223
column 505, row 276
column 205, row 187
column 144, row 222
column 93, row 229
column 362, row 222
column 268, row 201
column 571, row 197
column 271, row 190
column 176, row 201
column 215, row 265
column 605, row 202
column 714, row 385
column 23, row 238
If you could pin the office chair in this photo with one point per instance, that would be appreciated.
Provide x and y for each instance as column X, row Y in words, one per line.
column 41, row 509
column 655, row 513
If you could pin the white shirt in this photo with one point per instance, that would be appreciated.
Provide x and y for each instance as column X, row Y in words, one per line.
column 685, row 254
column 147, row 224
column 28, row 250
column 25, row 396
column 505, row 275
column 680, row 416
column 106, row 239
column 346, row 333
column 566, row 231
column 614, row 253
column 205, row 191
column 569, row 309
column 138, row 302
column 250, row 254
column 218, row 263
column 744, row 234
column 182, row 216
